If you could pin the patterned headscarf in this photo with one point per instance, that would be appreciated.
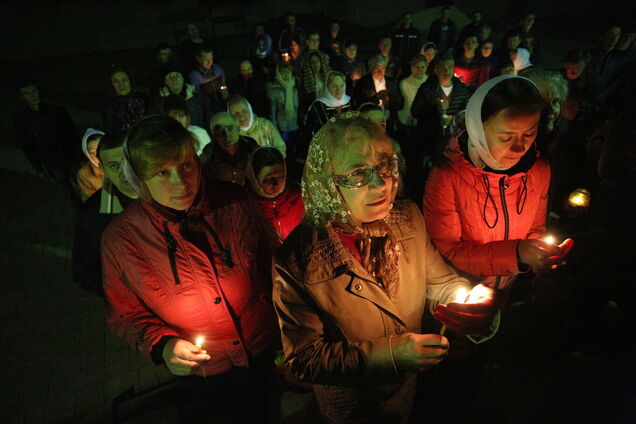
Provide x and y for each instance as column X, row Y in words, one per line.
column 325, row 205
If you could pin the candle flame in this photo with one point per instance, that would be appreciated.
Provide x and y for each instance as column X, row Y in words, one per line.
column 549, row 239
column 199, row 342
column 478, row 294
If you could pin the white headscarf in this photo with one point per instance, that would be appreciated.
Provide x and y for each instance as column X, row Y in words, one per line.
column 477, row 147
column 522, row 60
column 249, row 125
column 87, row 134
column 331, row 101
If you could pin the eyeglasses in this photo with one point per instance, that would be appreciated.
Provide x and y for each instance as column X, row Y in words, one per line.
column 361, row 177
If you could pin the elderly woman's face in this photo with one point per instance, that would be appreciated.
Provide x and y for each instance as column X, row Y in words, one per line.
column 509, row 136
column 174, row 183
column 372, row 201
column 336, row 87
column 241, row 112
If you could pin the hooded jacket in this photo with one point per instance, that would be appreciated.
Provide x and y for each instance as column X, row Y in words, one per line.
column 204, row 272
column 476, row 218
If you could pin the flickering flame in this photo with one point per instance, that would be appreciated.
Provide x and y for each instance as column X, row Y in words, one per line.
column 224, row 87
column 199, row 342
column 579, row 198
column 549, row 239
column 478, row 294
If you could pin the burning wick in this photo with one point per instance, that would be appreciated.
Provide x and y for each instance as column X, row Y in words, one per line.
column 199, row 343
column 549, row 239
column 478, row 294
column 223, row 87
column 285, row 57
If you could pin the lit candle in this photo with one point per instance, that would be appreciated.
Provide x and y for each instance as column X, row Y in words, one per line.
column 285, row 57
column 224, row 87
column 199, row 343
column 478, row 294
column 549, row 239
column 579, row 198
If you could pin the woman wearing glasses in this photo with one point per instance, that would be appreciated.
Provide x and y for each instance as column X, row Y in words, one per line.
column 351, row 282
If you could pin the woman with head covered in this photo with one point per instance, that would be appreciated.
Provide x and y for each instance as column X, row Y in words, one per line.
column 190, row 262
column 485, row 205
column 351, row 283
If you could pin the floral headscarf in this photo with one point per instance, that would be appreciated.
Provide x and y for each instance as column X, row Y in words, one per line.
column 325, row 206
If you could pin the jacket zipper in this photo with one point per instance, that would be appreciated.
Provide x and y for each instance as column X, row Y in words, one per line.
column 502, row 195
column 172, row 249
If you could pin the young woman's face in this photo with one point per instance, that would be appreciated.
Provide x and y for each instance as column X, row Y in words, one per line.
column 336, row 87
column 272, row 179
column 241, row 112
column 486, row 49
column 121, row 83
column 509, row 137
column 429, row 54
column 418, row 69
column 372, row 201
column 174, row 183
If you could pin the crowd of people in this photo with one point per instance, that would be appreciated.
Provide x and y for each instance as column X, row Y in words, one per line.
column 322, row 212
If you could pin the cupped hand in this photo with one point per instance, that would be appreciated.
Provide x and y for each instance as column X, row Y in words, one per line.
column 541, row 255
column 183, row 357
column 470, row 319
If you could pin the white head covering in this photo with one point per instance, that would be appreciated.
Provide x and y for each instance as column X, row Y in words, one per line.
column 330, row 100
column 522, row 60
column 477, row 147
column 87, row 134
column 249, row 125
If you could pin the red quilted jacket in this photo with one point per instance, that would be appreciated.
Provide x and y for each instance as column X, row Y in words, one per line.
column 476, row 218
column 158, row 282
column 285, row 211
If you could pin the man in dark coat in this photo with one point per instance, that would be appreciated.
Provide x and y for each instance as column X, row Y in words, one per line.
column 97, row 212
column 47, row 135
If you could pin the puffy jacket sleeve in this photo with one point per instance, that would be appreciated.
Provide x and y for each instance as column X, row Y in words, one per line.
column 309, row 354
column 126, row 314
column 445, row 228
column 543, row 175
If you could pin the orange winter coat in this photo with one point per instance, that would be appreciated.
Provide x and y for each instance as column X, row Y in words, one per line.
column 476, row 218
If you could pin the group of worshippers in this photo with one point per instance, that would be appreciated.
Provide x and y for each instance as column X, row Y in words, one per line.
column 213, row 262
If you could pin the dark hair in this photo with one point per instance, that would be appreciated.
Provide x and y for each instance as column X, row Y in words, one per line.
column 469, row 33
column 93, row 137
column 203, row 48
column 24, row 82
column 515, row 32
column 518, row 95
column 176, row 103
column 113, row 69
column 266, row 156
column 111, row 140
column 369, row 107
column 312, row 31
column 349, row 43
column 156, row 139
column 445, row 8
column 577, row 55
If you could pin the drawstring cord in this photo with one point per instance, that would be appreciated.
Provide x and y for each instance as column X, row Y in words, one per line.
column 486, row 182
column 523, row 195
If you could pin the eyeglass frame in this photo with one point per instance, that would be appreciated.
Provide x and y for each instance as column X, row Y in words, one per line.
column 340, row 180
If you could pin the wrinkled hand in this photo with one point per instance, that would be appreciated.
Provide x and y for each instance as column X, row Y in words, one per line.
column 182, row 357
column 470, row 319
column 419, row 352
column 541, row 255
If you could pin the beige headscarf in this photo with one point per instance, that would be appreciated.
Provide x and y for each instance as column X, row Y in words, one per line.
column 325, row 206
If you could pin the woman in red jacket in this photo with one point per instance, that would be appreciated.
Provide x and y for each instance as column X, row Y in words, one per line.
column 189, row 261
column 485, row 205
column 281, row 203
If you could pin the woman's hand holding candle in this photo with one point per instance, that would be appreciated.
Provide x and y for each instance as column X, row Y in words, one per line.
column 418, row 352
column 471, row 313
column 182, row 357
column 543, row 254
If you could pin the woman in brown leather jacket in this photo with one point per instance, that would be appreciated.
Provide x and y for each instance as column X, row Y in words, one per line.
column 351, row 282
